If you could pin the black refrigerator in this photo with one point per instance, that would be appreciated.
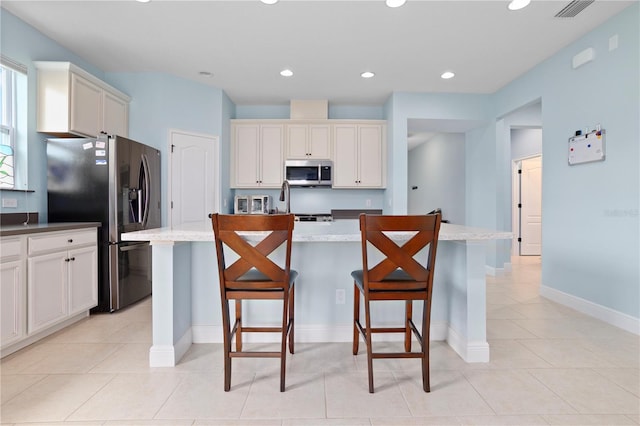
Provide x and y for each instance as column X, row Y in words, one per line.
column 114, row 181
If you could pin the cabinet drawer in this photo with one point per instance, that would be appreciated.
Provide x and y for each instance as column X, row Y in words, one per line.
column 61, row 241
column 10, row 248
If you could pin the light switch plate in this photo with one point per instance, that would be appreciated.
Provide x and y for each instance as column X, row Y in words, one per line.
column 10, row 202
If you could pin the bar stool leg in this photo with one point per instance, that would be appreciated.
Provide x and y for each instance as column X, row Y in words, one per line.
column 283, row 339
column 291, row 318
column 239, row 322
column 407, row 325
column 369, row 344
column 356, row 318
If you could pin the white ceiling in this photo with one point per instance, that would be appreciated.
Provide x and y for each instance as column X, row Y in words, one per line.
column 327, row 44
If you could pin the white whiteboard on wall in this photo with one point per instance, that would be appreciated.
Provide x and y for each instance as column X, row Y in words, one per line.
column 587, row 148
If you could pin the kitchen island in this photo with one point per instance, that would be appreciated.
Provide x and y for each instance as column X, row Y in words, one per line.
column 186, row 296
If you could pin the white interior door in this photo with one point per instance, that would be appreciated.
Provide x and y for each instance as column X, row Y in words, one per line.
column 194, row 176
column 531, row 211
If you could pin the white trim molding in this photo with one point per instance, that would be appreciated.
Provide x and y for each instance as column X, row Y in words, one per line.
column 167, row 355
column 608, row 315
column 468, row 351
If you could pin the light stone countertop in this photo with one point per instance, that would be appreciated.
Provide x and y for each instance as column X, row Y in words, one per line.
column 346, row 230
column 34, row 228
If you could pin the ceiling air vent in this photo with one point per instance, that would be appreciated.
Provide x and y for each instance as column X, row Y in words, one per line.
column 573, row 8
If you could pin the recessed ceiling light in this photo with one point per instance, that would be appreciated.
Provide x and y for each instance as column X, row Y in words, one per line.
column 518, row 4
column 205, row 73
column 143, row 1
column 447, row 75
column 367, row 74
column 395, row 3
column 286, row 73
column 269, row 1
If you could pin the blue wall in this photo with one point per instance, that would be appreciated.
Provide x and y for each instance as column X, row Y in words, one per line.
column 525, row 143
column 24, row 44
column 590, row 214
column 436, row 168
column 434, row 106
column 161, row 102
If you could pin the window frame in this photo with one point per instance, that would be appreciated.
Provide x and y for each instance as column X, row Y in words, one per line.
column 8, row 105
column 11, row 121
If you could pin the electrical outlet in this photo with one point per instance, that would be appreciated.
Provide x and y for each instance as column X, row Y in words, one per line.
column 368, row 202
column 340, row 296
column 10, row 202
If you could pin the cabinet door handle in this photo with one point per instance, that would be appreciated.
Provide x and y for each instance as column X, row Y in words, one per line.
column 70, row 240
column 73, row 258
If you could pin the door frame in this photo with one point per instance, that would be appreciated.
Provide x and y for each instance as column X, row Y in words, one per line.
column 216, row 162
column 516, row 164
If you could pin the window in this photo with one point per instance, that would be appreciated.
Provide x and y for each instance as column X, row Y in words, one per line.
column 12, row 119
column 7, row 127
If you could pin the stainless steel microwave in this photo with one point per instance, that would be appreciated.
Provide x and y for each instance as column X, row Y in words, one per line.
column 309, row 172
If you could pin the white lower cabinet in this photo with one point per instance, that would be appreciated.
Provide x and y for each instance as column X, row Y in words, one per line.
column 47, row 289
column 52, row 279
column 12, row 291
column 83, row 275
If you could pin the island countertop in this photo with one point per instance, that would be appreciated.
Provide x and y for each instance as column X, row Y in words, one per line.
column 337, row 231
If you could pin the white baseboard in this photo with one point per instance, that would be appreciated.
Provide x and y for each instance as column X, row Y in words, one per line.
column 608, row 315
column 494, row 272
column 167, row 355
column 440, row 331
column 469, row 351
column 33, row 338
column 310, row 334
column 162, row 356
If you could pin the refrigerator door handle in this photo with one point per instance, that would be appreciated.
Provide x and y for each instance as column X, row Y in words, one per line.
column 147, row 190
column 135, row 246
column 140, row 208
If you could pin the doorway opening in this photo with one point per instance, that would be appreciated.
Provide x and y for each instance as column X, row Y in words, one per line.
column 526, row 190
column 527, row 203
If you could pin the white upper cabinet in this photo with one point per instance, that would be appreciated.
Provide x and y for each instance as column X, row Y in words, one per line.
column 308, row 141
column 115, row 114
column 257, row 159
column 356, row 147
column 73, row 102
column 359, row 155
column 86, row 104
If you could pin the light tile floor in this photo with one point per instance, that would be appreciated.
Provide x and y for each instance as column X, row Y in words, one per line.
column 549, row 365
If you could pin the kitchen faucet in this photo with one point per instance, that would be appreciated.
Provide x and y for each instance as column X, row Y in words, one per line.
column 285, row 187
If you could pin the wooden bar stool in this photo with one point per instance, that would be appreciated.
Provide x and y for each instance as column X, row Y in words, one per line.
column 399, row 276
column 254, row 276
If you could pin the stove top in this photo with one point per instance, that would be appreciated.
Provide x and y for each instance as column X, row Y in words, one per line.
column 313, row 217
